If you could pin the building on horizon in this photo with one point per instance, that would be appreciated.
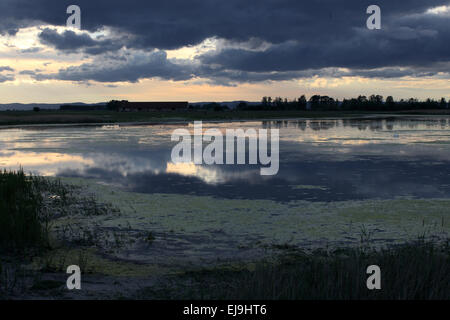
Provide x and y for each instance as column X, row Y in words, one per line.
column 126, row 106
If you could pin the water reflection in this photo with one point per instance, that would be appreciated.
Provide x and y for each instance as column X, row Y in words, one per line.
column 373, row 124
column 320, row 160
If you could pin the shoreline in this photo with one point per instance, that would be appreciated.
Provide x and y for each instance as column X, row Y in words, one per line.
column 169, row 121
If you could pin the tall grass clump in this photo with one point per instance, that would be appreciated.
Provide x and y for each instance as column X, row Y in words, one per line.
column 21, row 223
column 413, row 271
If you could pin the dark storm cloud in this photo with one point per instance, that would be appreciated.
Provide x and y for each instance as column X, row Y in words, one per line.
column 69, row 41
column 305, row 36
column 392, row 46
column 149, row 65
column 232, row 77
column 175, row 23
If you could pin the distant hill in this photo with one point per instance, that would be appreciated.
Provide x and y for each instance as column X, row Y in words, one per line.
column 42, row 106
column 55, row 106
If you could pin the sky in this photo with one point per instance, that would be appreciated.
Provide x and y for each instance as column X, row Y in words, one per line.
column 211, row 50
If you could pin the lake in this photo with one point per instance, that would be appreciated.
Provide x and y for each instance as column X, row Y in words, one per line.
column 320, row 160
column 338, row 179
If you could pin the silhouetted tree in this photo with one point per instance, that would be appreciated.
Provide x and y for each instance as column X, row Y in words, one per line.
column 278, row 102
column 265, row 101
column 362, row 100
column 114, row 105
column 302, row 103
column 374, row 102
column 390, row 102
column 315, row 101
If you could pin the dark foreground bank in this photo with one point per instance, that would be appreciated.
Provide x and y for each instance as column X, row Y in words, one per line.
column 414, row 271
column 418, row 270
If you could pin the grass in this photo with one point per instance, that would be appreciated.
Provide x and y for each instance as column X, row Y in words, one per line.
column 28, row 207
column 415, row 271
column 22, row 222
column 64, row 117
column 67, row 117
column 28, row 204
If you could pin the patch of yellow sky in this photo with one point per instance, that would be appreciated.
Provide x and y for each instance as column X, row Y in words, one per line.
column 25, row 89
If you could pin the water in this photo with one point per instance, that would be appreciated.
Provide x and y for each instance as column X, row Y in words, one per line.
column 320, row 160
column 340, row 181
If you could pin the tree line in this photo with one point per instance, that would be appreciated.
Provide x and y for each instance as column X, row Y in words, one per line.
column 319, row 102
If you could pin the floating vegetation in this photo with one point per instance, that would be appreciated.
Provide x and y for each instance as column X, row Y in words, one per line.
column 304, row 223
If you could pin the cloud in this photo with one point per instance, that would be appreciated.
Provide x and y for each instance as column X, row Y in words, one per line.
column 177, row 23
column 27, row 72
column 364, row 49
column 4, row 78
column 130, row 69
column 30, row 50
column 6, row 68
column 69, row 41
column 300, row 38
